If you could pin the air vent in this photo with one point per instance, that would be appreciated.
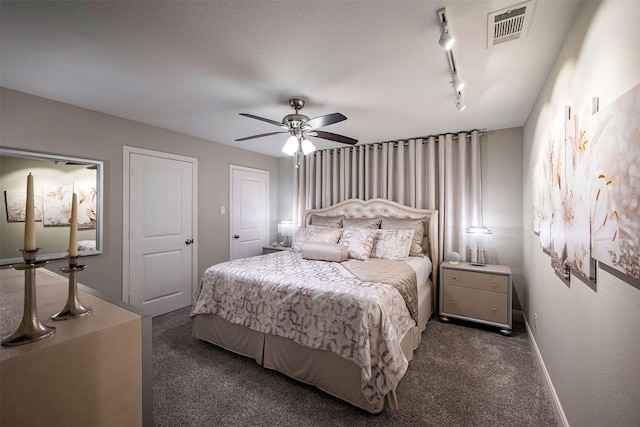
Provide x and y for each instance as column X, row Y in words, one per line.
column 509, row 24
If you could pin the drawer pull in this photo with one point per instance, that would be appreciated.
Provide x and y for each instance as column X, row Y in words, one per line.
column 454, row 301
column 494, row 308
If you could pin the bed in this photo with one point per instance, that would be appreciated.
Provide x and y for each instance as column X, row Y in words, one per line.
column 345, row 327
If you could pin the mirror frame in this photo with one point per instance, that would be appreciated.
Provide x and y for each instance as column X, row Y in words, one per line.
column 8, row 152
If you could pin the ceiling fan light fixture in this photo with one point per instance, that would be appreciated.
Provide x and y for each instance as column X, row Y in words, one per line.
column 307, row 147
column 291, row 146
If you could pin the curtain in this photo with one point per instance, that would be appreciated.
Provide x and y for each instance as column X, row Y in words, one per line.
column 439, row 172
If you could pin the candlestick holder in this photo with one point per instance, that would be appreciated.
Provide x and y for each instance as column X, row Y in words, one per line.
column 31, row 328
column 73, row 308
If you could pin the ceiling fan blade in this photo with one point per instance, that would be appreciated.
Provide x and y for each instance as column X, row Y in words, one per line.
column 326, row 120
column 333, row 137
column 261, row 135
column 273, row 122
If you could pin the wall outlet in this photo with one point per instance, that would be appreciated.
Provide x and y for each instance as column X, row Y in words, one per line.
column 535, row 320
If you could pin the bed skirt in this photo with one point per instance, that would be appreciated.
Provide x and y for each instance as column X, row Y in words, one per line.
column 321, row 368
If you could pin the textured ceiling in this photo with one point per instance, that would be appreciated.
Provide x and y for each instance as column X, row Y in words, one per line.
column 193, row 66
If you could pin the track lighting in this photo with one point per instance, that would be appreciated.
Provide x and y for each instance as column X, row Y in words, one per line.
column 446, row 41
column 456, row 83
column 459, row 105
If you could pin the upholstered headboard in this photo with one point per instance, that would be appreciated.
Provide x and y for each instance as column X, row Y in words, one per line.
column 356, row 208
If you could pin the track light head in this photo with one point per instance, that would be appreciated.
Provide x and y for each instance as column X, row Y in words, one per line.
column 446, row 41
column 456, row 83
column 459, row 105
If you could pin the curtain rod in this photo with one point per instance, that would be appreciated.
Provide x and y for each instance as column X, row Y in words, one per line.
column 404, row 141
column 455, row 136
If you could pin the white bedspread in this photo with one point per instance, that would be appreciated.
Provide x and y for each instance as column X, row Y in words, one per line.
column 317, row 304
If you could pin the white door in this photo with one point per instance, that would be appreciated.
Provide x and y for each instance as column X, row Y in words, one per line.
column 161, row 230
column 249, row 214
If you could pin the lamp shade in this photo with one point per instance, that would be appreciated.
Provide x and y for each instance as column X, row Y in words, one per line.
column 291, row 146
column 307, row 147
column 286, row 228
column 479, row 239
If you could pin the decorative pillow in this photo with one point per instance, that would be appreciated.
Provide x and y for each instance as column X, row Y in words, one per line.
column 369, row 223
column 359, row 242
column 392, row 244
column 326, row 221
column 319, row 235
column 417, row 225
column 299, row 238
column 325, row 251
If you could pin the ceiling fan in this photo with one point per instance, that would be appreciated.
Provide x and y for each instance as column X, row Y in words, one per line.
column 300, row 126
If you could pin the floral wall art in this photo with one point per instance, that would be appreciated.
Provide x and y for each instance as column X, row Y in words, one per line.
column 86, row 192
column 587, row 189
column 15, row 201
column 56, row 204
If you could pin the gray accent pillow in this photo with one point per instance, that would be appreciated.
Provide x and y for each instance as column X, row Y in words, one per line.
column 326, row 221
column 369, row 223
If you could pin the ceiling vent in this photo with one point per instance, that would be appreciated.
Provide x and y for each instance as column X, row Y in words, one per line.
column 509, row 24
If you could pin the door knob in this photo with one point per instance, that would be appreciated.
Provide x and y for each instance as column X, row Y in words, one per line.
column 188, row 241
column 236, row 236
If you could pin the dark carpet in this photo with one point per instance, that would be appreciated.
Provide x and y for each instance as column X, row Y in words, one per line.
column 461, row 375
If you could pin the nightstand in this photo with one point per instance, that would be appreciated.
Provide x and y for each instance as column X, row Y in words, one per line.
column 476, row 293
column 272, row 249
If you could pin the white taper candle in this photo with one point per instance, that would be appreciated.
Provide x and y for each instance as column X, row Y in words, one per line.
column 73, row 234
column 30, row 218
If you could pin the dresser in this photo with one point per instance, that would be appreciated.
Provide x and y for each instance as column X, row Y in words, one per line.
column 480, row 294
column 93, row 371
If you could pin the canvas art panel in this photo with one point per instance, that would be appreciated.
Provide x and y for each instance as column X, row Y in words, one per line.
column 615, row 184
column 577, row 194
column 16, row 203
column 56, row 205
column 87, row 195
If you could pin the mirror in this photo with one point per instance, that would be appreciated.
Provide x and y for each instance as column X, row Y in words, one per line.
column 55, row 178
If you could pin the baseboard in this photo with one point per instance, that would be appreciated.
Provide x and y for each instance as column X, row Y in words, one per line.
column 548, row 385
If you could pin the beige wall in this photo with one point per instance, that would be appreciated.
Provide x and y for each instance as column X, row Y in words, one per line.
column 501, row 153
column 589, row 340
column 37, row 124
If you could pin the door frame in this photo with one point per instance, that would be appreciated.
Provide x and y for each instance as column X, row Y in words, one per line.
column 126, row 153
column 265, row 236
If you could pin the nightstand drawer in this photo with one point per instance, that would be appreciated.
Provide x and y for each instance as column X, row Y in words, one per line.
column 479, row 304
column 471, row 279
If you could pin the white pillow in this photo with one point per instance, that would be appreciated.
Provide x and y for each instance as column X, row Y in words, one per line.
column 358, row 241
column 415, row 224
column 392, row 244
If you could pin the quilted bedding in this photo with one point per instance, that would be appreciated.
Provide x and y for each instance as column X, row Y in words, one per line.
column 321, row 305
